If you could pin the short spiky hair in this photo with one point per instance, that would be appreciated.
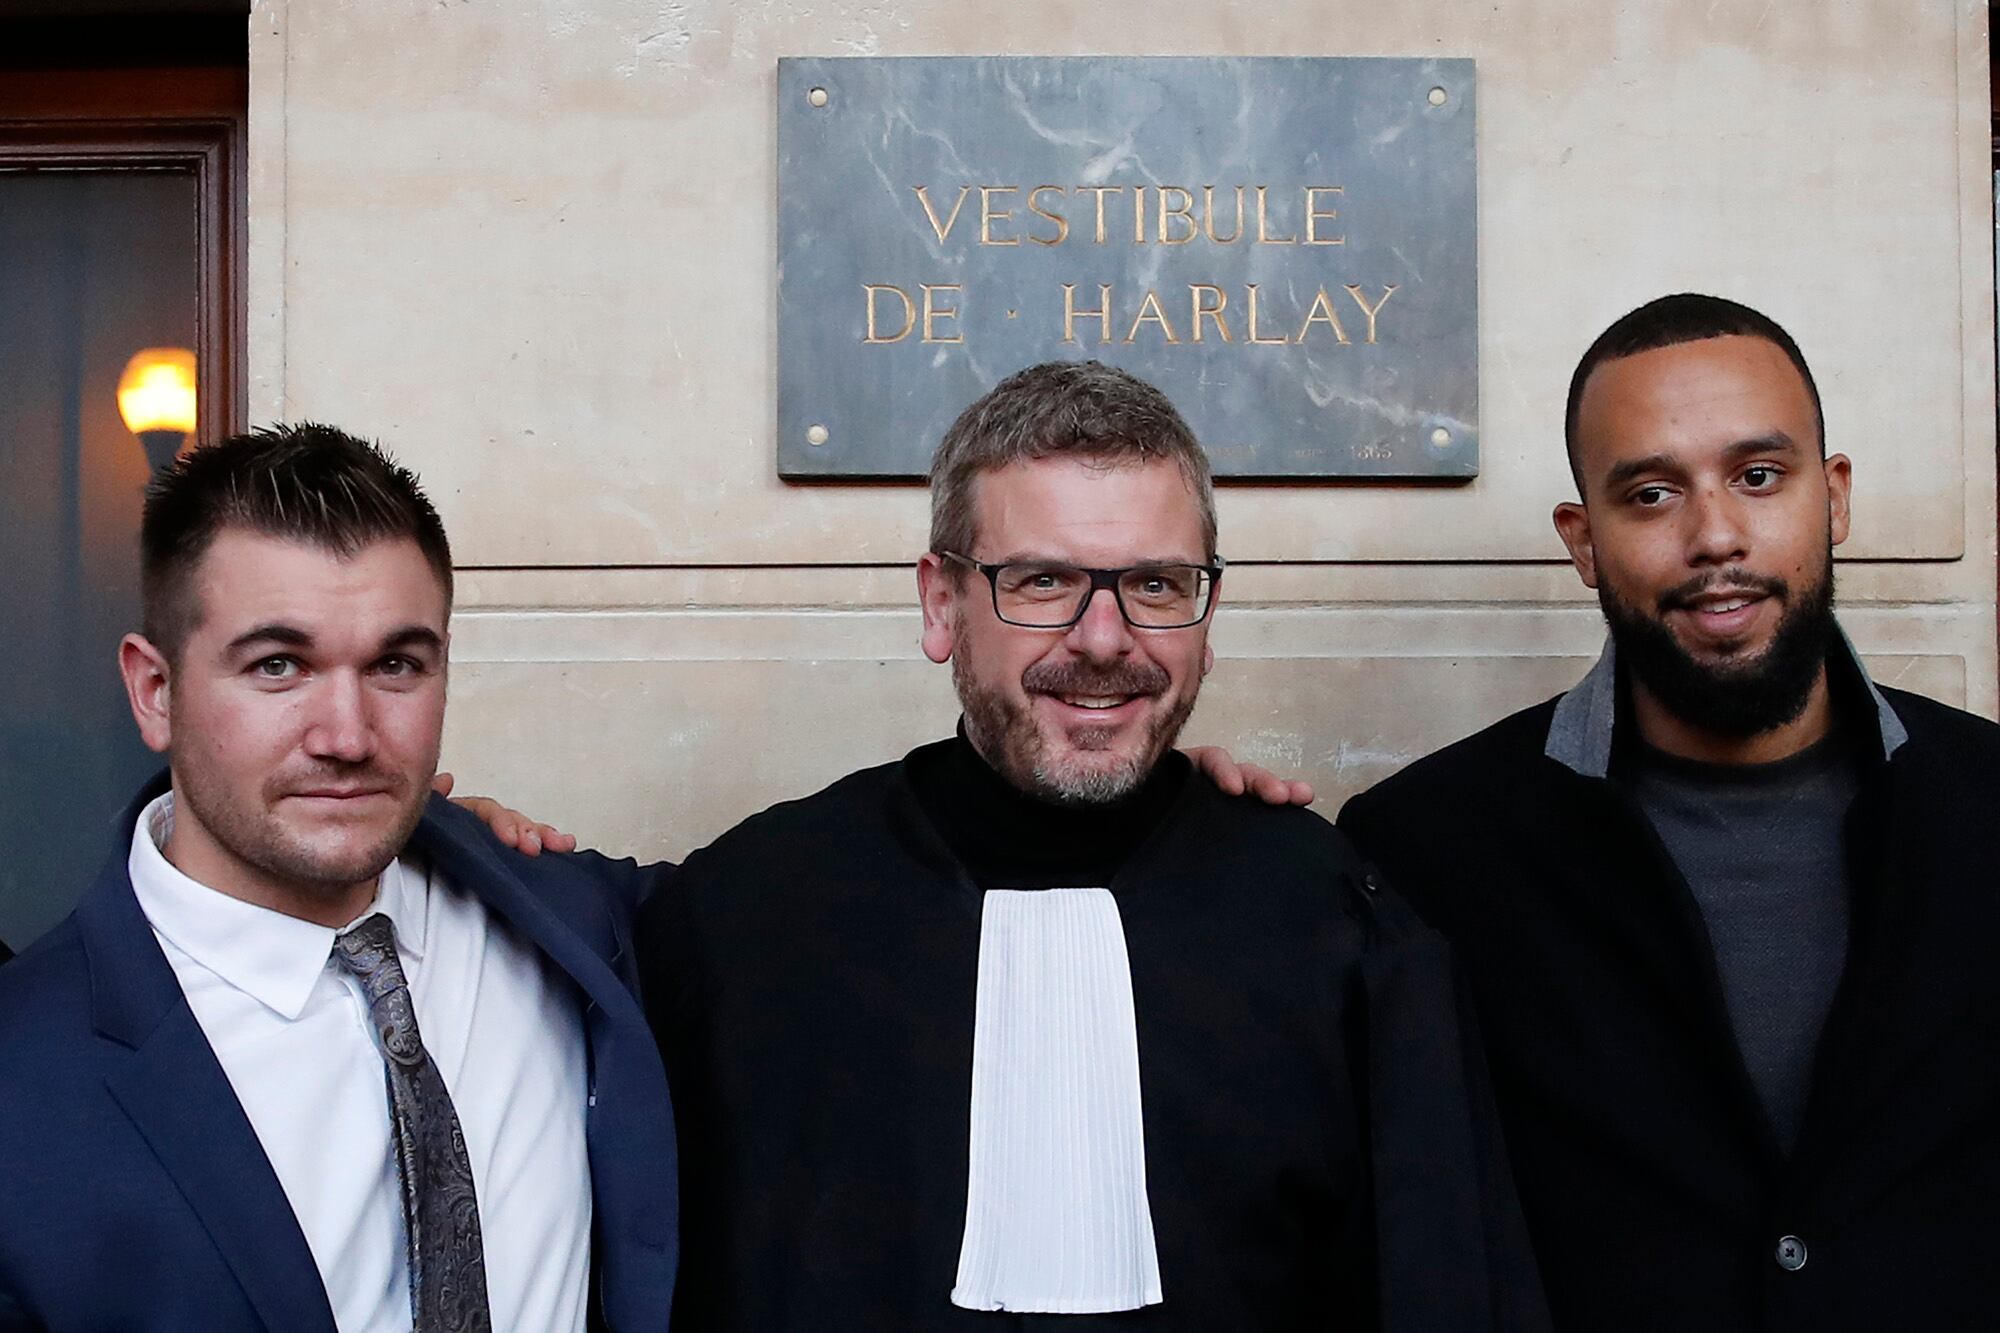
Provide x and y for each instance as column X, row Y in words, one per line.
column 305, row 483
column 1667, row 321
column 1083, row 409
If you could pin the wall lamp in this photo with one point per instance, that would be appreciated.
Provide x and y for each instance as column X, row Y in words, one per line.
column 156, row 396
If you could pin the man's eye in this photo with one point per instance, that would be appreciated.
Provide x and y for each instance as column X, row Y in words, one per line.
column 1757, row 478
column 1649, row 496
column 1037, row 583
column 275, row 668
column 398, row 665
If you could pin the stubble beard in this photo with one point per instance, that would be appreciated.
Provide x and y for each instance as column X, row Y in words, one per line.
column 1004, row 731
column 259, row 839
column 1737, row 699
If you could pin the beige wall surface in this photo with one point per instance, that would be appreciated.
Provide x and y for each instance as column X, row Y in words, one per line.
column 529, row 243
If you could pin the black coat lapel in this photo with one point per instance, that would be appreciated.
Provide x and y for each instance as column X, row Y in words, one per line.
column 1618, row 876
column 1921, row 958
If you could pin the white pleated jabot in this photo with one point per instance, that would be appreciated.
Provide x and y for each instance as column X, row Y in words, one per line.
column 1056, row 1215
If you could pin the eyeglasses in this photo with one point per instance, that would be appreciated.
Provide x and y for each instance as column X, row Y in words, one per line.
column 1039, row 595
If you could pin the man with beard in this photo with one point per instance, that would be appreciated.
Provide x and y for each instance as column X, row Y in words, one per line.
column 312, row 1051
column 1726, row 905
column 1037, row 1029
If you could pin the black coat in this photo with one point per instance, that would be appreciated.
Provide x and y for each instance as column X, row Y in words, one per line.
column 1655, row 1191
column 1318, row 1132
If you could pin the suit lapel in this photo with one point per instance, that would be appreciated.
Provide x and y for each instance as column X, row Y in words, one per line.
column 460, row 845
column 631, row 1129
column 181, row 1102
column 176, row 1095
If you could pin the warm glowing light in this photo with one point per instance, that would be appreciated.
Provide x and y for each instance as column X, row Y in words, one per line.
column 156, row 392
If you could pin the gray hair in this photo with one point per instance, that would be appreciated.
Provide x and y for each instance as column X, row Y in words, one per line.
column 1082, row 409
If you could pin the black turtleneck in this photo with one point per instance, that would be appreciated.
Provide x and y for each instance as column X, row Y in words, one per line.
column 1007, row 839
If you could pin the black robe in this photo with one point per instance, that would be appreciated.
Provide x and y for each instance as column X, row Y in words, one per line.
column 1319, row 1148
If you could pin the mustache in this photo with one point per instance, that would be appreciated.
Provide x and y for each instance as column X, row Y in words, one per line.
column 341, row 775
column 1082, row 678
column 1681, row 595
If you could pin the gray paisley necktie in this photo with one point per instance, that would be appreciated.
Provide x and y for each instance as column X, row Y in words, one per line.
column 447, row 1256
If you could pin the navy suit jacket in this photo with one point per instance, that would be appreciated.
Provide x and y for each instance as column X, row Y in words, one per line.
column 134, row 1193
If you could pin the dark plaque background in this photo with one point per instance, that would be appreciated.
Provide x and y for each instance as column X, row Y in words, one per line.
column 967, row 284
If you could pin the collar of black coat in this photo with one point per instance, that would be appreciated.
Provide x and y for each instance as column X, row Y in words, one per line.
column 1007, row 838
column 1585, row 725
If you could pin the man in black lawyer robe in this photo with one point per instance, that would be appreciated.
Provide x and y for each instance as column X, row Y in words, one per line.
column 1036, row 1029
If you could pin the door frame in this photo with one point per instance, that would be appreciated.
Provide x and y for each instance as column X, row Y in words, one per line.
column 185, row 121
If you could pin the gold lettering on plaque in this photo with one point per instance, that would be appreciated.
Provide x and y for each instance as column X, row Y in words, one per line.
column 1062, row 223
column 1102, row 314
column 1138, row 215
column 1182, row 208
column 1208, row 216
column 1322, row 312
column 1314, row 213
column 875, row 289
column 943, row 229
column 1250, row 298
column 1100, row 191
column 933, row 311
column 1196, row 291
column 987, row 215
column 1264, row 236
column 1388, row 291
column 1150, row 309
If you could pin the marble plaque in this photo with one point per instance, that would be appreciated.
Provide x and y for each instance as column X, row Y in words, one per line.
column 1286, row 246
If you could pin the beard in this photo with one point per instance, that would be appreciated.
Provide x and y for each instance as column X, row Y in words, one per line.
column 1738, row 698
column 263, row 841
column 1005, row 732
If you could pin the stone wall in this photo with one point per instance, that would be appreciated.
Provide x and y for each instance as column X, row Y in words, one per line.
column 530, row 245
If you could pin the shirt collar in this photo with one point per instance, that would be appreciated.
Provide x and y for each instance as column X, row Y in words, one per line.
column 1586, row 718
column 273, row 958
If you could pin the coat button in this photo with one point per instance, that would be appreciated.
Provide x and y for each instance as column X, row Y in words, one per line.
column 1791, row 1254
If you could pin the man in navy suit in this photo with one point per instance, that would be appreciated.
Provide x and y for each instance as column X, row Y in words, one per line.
column 314, row 1051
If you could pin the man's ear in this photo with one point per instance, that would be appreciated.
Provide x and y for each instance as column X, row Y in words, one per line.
column 1839, row 481
column 1573, row 526
column 149, row 689
column 937, row 594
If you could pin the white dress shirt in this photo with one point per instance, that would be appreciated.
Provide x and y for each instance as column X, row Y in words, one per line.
column 503, row 1025
column 1057, row 1220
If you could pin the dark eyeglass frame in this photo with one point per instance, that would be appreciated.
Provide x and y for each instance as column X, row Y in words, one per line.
column 1106, row 579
